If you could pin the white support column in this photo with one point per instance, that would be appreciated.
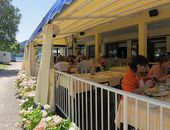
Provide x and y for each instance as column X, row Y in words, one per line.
column 143, row 39
column 129, row 49
column 51, row 89
column 43, row 81
column 167, row 43
column 97, row 46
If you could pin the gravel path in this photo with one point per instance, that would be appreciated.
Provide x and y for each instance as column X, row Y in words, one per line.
column 9, row 113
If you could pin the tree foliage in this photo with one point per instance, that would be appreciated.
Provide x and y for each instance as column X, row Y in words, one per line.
column 9, row 21
column 15, row 48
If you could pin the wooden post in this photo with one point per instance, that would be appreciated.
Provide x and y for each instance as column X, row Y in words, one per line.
column 42, row 89
column 74, row 49
column 31, row 60
column 97, row 45
column 167, row 43
column 143, row 39
column 26, row 60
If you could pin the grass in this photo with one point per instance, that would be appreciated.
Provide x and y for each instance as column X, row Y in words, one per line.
column 3, row 66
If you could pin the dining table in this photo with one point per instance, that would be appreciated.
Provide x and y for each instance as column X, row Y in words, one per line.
column 140, row 120
column 104, row 76
column 122, row 69
column 109, row 78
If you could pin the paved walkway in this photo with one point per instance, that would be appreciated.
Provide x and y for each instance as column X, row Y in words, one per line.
column 9, row 113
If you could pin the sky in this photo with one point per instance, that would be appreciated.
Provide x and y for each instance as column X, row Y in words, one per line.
column 32, row 12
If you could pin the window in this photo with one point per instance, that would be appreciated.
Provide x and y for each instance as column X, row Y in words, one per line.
column 38, row 53
column 118, row 50
column 156, row 47
column 111, row 50
column 134, row 48
column 122, row 52
column 91, row 52
column 80, row 49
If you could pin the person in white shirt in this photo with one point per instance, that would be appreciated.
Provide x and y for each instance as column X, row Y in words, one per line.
column 62, row 65
column 84, row 65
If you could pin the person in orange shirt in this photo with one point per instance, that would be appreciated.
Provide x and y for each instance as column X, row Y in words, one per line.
column 160, row 71
column 132, row 81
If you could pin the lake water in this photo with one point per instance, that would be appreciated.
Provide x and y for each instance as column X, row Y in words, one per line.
column 19, row 58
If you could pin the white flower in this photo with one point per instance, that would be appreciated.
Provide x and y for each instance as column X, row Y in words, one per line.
column 44, row 113
column 31, row 94
column 46, row 107
column 48, row 118
column 43, row 120
column 41, row 126
column 57, row 120
column 22, row 111
column 23, row 101
column 30, row 108
column 24, row 119
column 73, row 127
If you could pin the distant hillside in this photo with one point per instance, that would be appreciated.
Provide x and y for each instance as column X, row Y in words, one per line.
column 23, row 43
column 22, row 46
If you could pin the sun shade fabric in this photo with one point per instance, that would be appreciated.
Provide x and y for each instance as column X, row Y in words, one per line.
column 55, row 9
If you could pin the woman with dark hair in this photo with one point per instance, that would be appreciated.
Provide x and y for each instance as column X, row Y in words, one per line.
column 160, row 71
column 132, row 81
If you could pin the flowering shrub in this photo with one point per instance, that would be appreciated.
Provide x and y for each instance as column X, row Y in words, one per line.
column 27, row 103
column 57, row 123
column 25, row 85
column 31, row 119
column 37, row 117
column 20, row 78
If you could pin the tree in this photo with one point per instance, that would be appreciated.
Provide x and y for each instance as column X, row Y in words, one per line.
column 15, row 48
column 9, row 21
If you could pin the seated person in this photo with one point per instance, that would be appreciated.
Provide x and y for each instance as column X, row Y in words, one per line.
column 160, row 71
column 62, row 65
column 84, row 65
column 103, row 61
column 95, row 65
column 71, row 59
column 132, row 81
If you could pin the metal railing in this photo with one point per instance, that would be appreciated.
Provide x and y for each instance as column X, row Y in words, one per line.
column 94, row 106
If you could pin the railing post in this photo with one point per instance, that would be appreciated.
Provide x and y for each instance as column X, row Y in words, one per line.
column 125, row 108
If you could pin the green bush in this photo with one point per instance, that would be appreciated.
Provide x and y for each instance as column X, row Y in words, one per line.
column 28, row 103
column 32, row 119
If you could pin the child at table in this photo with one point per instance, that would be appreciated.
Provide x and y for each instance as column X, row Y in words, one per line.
column 132, row 81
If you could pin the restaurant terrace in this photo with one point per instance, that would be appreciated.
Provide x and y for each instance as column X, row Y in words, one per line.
column 117, row 29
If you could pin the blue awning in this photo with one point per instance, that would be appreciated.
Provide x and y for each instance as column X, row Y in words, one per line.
column 55, row 9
